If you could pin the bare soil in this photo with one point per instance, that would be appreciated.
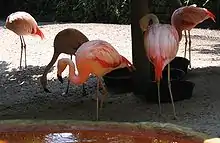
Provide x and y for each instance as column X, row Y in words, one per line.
column 21, row 95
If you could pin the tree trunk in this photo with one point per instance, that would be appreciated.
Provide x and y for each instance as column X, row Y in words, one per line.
column 217, row 14
column 143, row 71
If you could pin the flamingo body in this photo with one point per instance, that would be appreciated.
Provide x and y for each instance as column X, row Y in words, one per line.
column 161, row 45
column 99, row 57
column 22, row 23
column 188, row 17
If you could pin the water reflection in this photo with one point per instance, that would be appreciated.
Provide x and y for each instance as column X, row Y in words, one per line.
column 87, row 138
column 61, row 138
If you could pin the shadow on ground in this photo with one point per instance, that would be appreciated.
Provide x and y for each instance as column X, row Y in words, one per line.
column 213, row 49
column 208, row 38
column 22, row 97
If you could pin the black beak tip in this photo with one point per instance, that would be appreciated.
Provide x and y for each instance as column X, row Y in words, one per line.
column 47, row 90
column 60, row 78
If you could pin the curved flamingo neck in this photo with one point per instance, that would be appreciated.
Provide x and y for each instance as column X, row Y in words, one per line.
column 145, row 21
column 176, row 22
column 77, row 78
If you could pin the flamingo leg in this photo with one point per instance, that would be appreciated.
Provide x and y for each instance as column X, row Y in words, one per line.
column 68, row 84
column 104, row 94
column 97, row 99
column 171, row 96
column 25, row 57
column 189, row 48
column 186, row 41
column 158, row 94
column 21, row 50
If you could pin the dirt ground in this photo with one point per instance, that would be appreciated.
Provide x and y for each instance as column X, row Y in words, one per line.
column 21, row 96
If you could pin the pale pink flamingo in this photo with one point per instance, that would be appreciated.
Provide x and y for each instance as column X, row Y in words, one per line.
column 95, row 57
column 161, row 41
column 22, row 23
column 190, row 16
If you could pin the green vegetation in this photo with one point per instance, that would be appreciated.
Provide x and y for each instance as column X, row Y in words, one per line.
column 103, row 11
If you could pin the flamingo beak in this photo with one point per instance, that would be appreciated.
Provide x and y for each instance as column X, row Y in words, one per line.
column 60, row 78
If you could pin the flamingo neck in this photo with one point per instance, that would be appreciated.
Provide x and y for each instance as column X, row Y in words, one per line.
column 154, row 19
column 179, row 32
column 176, row 22
column 77, row 78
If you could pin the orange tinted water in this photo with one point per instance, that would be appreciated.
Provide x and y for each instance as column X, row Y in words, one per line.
column 94, row 136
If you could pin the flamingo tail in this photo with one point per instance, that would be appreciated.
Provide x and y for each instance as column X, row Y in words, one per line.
column 158, row 63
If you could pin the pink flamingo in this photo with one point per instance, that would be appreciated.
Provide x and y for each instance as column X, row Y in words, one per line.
column 93, row 57
column 200, row 14
column 22, row 23
column 161, row 41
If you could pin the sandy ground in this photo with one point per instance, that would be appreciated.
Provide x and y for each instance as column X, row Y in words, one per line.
column 21, row 95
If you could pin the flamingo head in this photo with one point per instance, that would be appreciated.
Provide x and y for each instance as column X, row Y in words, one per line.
column 61, row 66
column 148, row 20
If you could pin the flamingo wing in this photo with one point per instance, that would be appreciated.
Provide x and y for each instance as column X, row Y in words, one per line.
column 161, row 43
column 104, row 53
column 20, row 15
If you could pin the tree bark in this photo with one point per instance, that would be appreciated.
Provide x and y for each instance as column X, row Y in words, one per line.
column 217, row 14
column 143, row 72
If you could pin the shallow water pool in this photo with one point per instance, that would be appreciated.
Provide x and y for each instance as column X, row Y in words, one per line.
column 93, row 132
